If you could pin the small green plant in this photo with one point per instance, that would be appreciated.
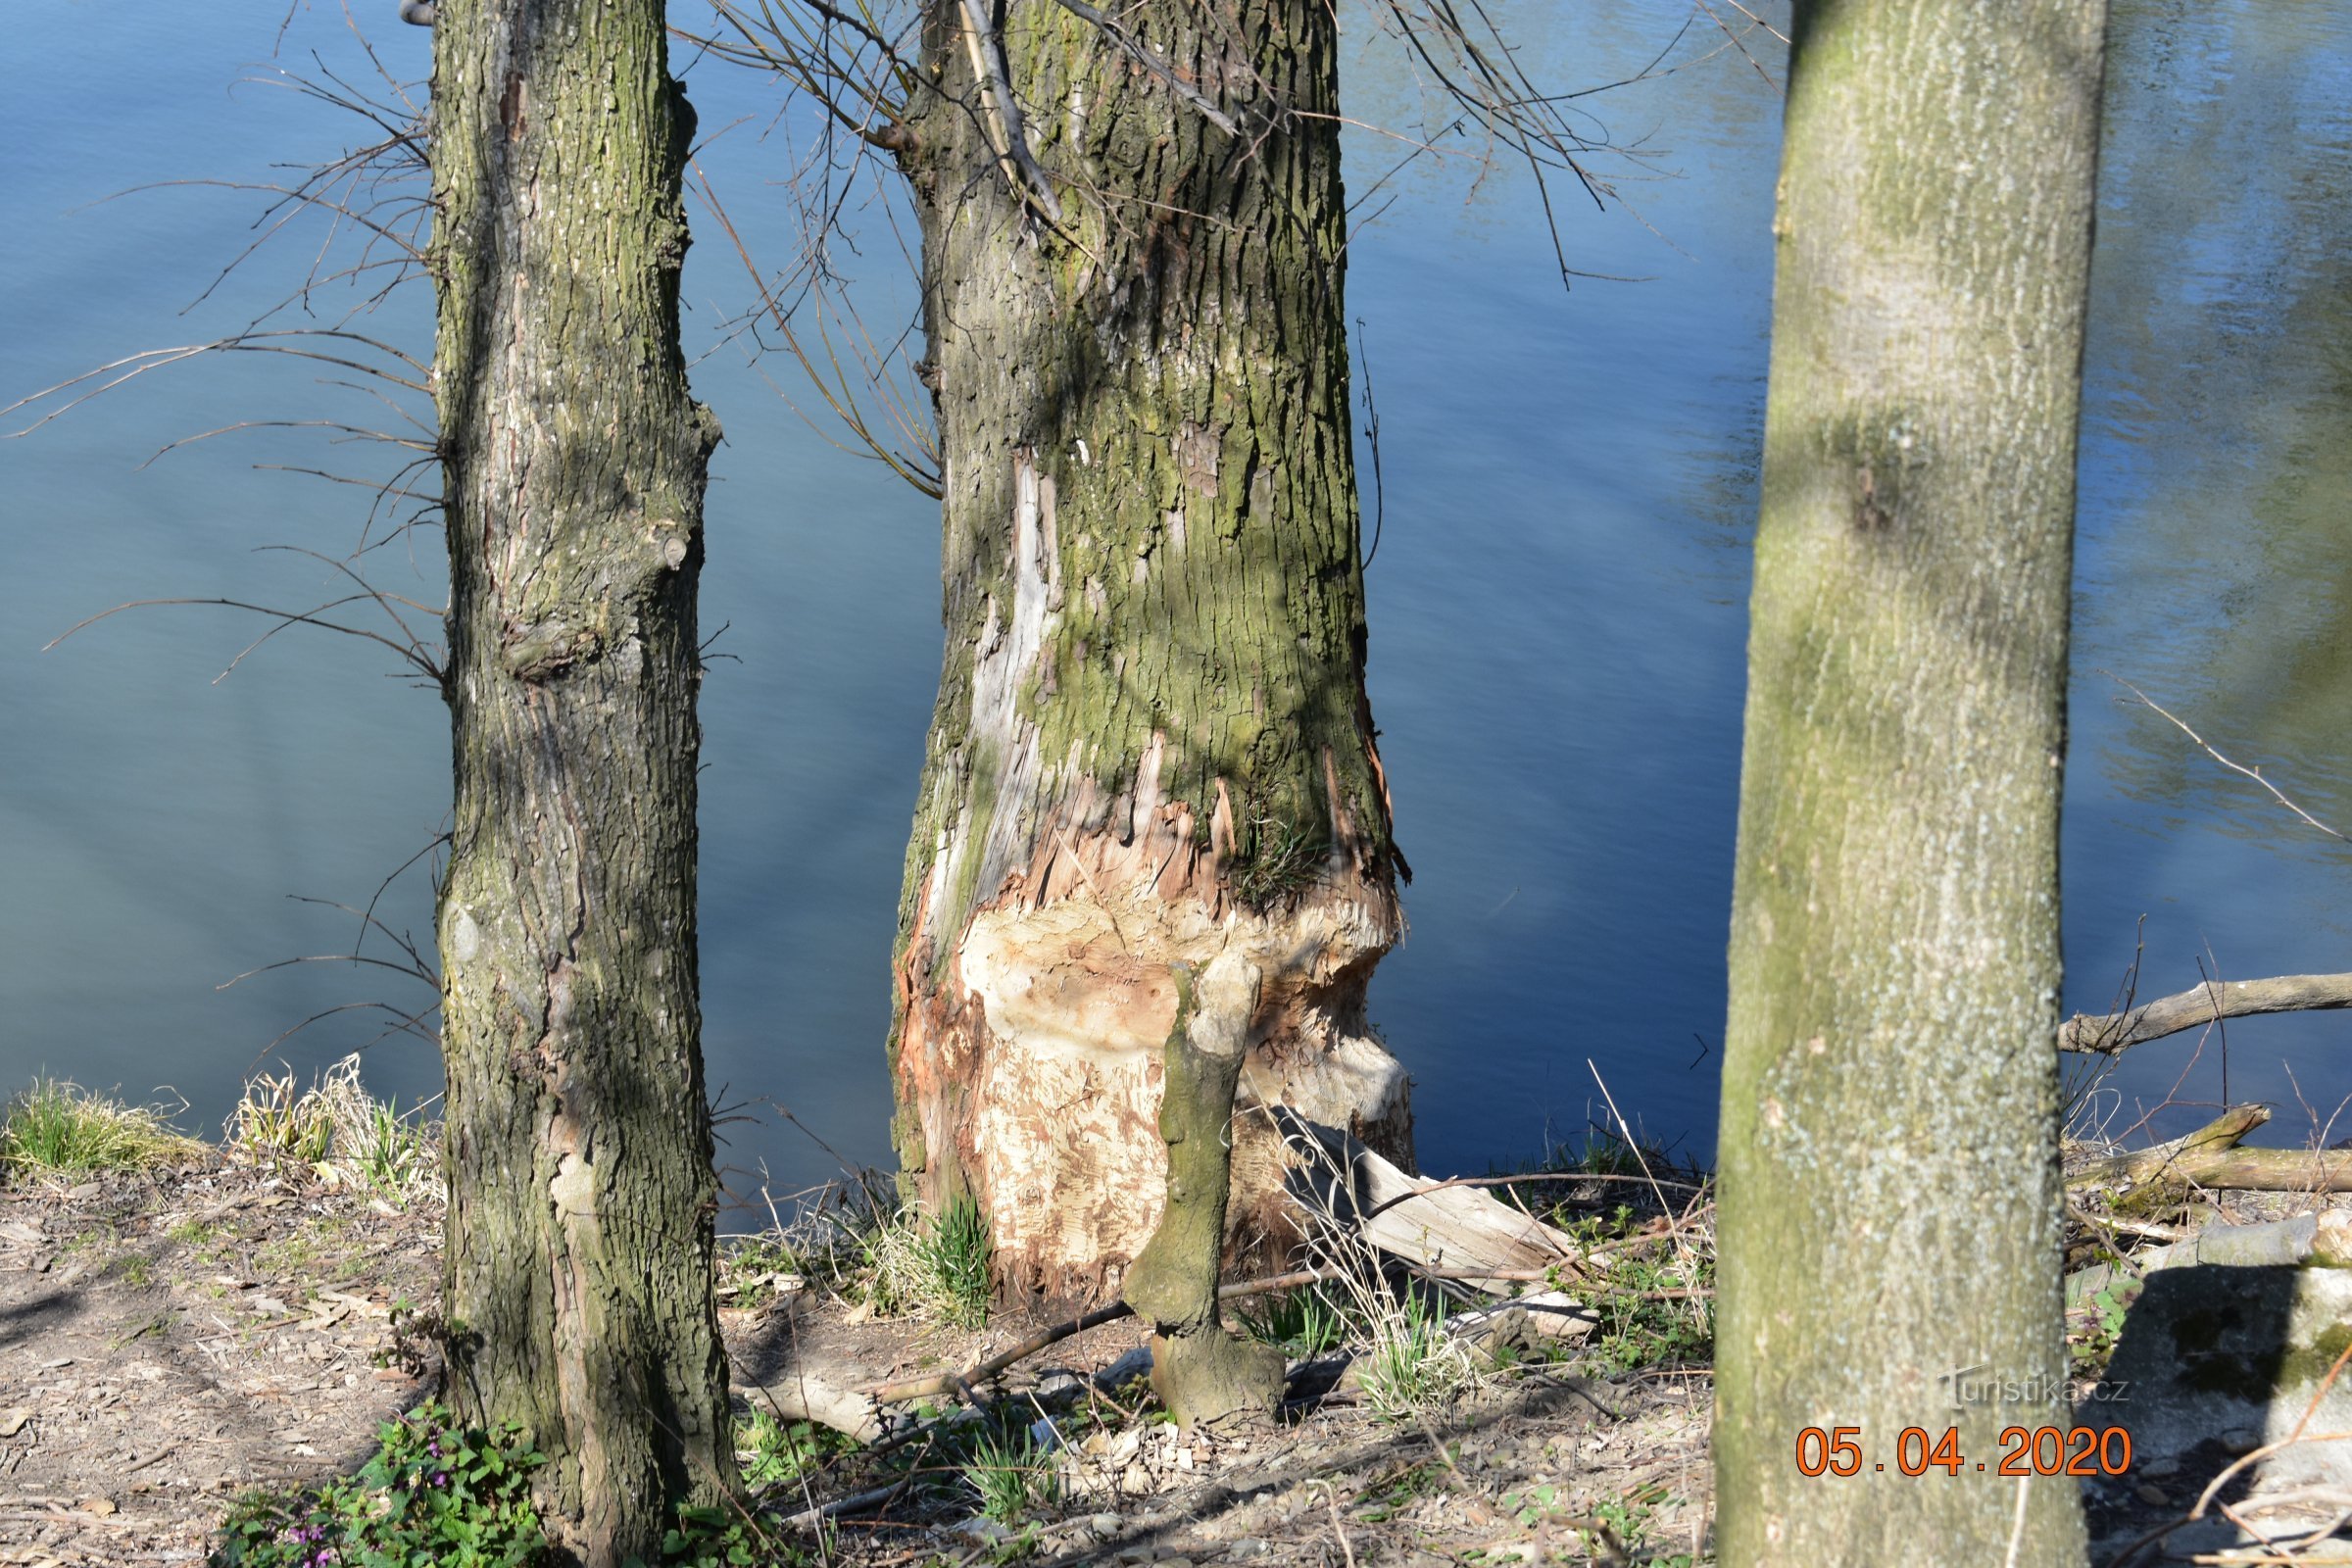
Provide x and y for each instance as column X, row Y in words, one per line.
column 1391, row 1497
column 437, row 1493
column 57, row 1128
column 1009, row 1475
column 339, row 1131
column 726, row 1538
column 1655, row 1310
column 775, row 1452
column 274, row 1120
column 2095, row 1326
column 1629, row 1518
column 1303, row 1323
column 1283, row 863
column 387, row 1154
column 750, row 1267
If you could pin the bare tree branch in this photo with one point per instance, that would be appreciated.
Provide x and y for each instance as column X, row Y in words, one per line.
column 2208, row 1004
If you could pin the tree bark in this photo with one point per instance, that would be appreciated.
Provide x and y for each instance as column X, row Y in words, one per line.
column 1151, row 740
column 581, row 1191
column 1200, row 1372
column 1891, row 1203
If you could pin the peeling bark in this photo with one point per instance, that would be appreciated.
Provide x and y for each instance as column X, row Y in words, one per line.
column 1152, row 737
column 581, row 1200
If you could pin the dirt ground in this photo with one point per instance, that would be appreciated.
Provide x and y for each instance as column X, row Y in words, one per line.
column 170, row 1340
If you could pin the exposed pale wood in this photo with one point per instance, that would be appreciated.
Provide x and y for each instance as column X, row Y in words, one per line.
column 1459, row 1232
column 2108, row 1033
column 810, row 1394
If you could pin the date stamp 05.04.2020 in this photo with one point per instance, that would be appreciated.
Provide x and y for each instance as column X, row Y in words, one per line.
column 2024, row 1452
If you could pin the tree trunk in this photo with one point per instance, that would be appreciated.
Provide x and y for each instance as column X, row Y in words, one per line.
column 1151, row 742
column 1891, row 1203
column 581, row 1191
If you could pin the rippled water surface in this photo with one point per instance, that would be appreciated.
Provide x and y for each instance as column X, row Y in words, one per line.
column 1557, row 598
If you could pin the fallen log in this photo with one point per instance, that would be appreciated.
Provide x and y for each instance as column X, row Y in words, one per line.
column 2265, row 1170
column 2217, row 1136
column 2211, row 1003
column 809, row 1395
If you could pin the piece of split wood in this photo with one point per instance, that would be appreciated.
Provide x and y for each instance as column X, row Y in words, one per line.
column 1462, row 1230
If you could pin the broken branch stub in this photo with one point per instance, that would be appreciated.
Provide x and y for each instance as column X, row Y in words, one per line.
column 1200, row 1372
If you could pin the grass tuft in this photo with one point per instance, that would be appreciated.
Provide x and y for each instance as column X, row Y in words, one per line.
column 957, row 1255
column 340, row 1132
column 58, row 1128
column 918, row 1263
column 1010, row 1476
column 1413, row 1367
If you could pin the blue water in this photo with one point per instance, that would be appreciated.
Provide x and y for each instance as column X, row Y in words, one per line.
column 1557, row 604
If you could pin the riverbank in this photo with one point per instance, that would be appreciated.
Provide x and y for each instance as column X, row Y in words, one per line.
column 173, row 1339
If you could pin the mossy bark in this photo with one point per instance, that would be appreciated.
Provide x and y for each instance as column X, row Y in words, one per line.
column 1889, row 1219
column 1200, row 1372
column 582, row 1199
column 1152, row 718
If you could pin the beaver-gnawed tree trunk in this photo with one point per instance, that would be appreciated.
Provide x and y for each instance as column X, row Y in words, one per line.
column 1151, row 743
column 581, row 1193
column 1890, row 1221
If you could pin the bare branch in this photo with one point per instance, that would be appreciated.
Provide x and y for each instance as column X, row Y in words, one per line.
column 2208, row 1004
column 423, row 664
column 2254, row 773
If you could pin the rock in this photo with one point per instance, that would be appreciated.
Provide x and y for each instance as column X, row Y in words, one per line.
column 1134, row 1363
column 1524, row 1322
column 980, row 1531
column 2217, row 1361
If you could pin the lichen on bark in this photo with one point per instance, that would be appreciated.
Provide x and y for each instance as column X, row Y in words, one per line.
column 1890, row 1199
column 582, row 1199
